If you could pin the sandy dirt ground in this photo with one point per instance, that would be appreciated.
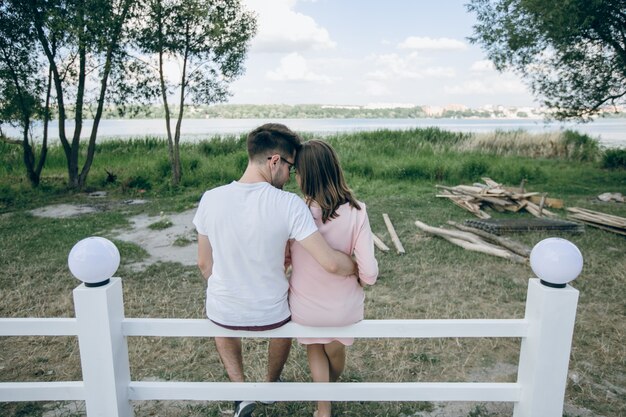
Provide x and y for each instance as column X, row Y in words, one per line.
column 161, row 247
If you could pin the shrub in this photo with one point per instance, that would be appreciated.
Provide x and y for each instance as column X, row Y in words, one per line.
column 473, row 169
column 580, row 147
column 614, row 159
column 138, row 182
column 224, row 146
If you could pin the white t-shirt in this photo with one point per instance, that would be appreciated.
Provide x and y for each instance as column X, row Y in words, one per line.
column 248, row 226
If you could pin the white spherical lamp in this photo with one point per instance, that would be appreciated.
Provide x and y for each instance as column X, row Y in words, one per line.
column 556, row 262
column 94, row 260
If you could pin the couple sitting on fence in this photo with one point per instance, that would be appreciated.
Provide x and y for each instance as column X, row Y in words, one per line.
column 250, row 231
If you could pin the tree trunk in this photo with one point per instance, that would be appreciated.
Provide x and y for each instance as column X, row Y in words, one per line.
column 176, row 173
column 49, row 51
column 91, row 148
column 166, row 106
column 72, row 162
column 46, row 120
column 29, row 157
column 26, row 111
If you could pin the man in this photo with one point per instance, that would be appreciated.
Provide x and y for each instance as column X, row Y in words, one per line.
column 243, row 229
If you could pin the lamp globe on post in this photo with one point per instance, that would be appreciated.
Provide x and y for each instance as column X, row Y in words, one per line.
column 556, row 262
column 94, row 260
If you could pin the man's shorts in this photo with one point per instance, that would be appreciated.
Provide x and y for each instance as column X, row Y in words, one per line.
column 255, row 328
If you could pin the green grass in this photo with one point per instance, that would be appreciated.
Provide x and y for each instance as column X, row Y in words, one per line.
column 393, row 173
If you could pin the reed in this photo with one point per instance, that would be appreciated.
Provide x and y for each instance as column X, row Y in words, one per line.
column 567, row 145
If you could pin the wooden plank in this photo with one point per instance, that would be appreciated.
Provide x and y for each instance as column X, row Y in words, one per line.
column 306, row 391
column 470, row 242
column 364, row 329
column 491, row 183
column 471, row 207
column 379, row 243
column 38, row 327
column 513, row 246
column 601, row 226
column 393, row 234
column 493, row 200
column 517, row 207
column 42, row 391
column 501, row 253
column 549, row 202
column 599, row 217
column 533, row 209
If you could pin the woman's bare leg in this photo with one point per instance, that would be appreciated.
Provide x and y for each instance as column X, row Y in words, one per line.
column 336, row 354
column 327, row 362
column 320, row 371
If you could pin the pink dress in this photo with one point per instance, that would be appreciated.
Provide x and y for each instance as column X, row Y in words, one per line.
column 319, row 298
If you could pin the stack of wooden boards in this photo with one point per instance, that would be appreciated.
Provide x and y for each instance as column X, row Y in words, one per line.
column 602, row 221
column 484, row 235
column 500, row 198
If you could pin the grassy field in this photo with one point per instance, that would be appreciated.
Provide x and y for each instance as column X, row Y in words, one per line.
column 394, row 173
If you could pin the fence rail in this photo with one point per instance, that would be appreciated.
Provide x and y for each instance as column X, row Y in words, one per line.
column 102, row 331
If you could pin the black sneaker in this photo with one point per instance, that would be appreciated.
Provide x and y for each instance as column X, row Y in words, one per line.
column 244, row 408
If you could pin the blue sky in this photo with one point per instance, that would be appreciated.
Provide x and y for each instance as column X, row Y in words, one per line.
column 361, row 52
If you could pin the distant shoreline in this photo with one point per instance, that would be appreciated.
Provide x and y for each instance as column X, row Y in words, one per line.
column 611, row 132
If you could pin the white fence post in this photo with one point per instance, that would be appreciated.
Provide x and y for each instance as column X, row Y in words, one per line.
column 544, row 354
column 103, row 349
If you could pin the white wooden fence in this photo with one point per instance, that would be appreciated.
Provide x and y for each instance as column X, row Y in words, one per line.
column 107, row 388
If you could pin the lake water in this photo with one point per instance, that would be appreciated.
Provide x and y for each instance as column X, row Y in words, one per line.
column 609, row 132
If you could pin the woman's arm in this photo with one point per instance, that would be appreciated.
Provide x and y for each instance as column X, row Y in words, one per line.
column 364, row 252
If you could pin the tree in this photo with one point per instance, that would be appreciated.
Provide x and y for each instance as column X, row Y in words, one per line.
column 572, row 53
column 81, row 40
column 24, row 88
column 208, row 39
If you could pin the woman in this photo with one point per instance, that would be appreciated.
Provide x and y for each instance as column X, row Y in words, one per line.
column 316, row 297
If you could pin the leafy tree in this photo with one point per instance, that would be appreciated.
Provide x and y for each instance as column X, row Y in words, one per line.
column 81, row 41
column 572, row 53
column 208, row 39
column 24, row 88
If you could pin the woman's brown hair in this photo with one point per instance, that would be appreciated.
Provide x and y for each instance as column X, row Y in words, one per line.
column 321, row 178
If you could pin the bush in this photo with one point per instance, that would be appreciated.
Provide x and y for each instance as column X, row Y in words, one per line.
column 138, row 182
column 580, row 147
column 614, row 159
column 222, row 146
column 473, row 169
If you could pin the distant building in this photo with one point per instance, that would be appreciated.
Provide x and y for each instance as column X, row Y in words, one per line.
column 329, row 106
column 372, row 106
column 455, row 107
column 432, row 110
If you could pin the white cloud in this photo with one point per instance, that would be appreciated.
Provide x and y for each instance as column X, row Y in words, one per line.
column 432, row 44
column 376, row 89
column 281, row 29
column 294, row 67
column 412, row 66
column 490, row 87
column 482, row 66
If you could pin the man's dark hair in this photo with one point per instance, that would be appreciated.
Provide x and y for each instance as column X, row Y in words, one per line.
column 272, row 138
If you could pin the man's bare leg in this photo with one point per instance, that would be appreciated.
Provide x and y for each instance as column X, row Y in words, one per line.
column 229, row 349
column 277, row 354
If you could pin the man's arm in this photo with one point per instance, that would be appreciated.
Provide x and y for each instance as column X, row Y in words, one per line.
column 205, row 256
column 333, row 261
